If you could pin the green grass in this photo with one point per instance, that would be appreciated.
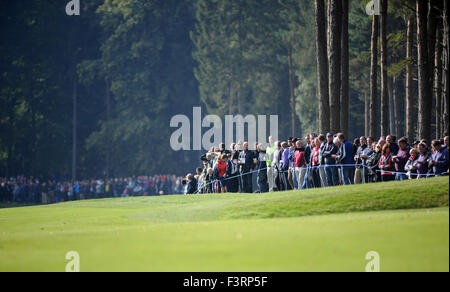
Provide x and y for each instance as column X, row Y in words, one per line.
column 331, row 229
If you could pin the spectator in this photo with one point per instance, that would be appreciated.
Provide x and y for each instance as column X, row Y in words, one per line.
column 386, row 165
column 291, row 170
column 329, row 155
column 199, row 178
column 276, row 162
column 370, row 142
column 262, row 169
column 373, row 163
column 270, row 169
column 382, row 141
column 209, row 180
column 411, row 164
column 439, row 159
column 356, row 145
column 315, row 162
column 401, row 159
column 246, row 161
column 345, row 157
column 362, row 154
column 308, row 149
column 232, row 172
column 422, row 161
column 300, row 164
column 220, row 171
column 191, row 184
column 285, row 166
column 392, row 141
column 322, row 166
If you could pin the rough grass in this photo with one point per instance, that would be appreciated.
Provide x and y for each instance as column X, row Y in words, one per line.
column 430, row 193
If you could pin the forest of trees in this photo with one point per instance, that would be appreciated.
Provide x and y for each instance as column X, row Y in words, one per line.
column 92, row 95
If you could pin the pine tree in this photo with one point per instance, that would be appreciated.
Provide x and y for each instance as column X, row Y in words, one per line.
column 425, row 98
column 344, row 115
column 322, row 66
column 384, row 78
column 373, row 79
column 335, row 64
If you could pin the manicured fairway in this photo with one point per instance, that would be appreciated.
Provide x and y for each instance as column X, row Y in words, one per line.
column 268, row 232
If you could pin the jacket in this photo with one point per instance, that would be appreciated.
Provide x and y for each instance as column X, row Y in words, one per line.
column 300, row 158
column 345, row 154
column 441, row 157
column 329, row 149
column 248, row 156
column 422, row 163
column 386, row 165
column 402, row 159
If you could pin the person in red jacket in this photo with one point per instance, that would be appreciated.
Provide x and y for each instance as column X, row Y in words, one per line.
column 221, row 171
column 386, row 164
column 300, row 163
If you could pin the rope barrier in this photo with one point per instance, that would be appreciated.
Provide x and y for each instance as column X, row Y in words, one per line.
column 308, row 171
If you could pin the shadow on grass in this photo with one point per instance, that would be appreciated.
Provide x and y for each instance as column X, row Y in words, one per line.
column 4, row 205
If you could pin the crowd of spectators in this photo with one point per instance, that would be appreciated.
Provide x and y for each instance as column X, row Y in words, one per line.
column 317, row 161
column 30, row 190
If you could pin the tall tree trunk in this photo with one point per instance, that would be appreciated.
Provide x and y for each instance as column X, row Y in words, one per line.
column 108, row 129
column 366, row 115
column 230, row 98
column 391, row 106
column 432, row 24
column 438, row 80
column 335, row 65
column 425, row 96
column 373, row 116
column 328, row 26
column 291, row 89
column 74, row 130
column 446, row 71
column 322, row 66
column 410, row 120
column 344, row 70
column 396, row 108
column 384, row 78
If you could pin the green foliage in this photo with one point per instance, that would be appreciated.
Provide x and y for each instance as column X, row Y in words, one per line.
column 146, row 58
column 156, row 59
column 39, row 50
column 236, row 46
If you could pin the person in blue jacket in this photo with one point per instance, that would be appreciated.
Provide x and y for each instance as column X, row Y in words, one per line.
column 329, row 155
column 345, row 157
column 439, row 159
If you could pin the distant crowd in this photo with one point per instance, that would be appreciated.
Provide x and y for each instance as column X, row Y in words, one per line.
column 317, row 161
column 30, row 190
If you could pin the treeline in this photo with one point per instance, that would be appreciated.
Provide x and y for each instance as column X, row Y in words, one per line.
column 112, row 76
column 93, row 95
column 412, row 54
